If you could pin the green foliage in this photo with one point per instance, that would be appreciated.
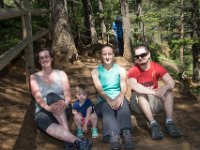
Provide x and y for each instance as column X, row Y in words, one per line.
column 11, row 30
column 154, row 51
column 11, row 33
column 40, row 22
column 175, row 47
column 40, row 4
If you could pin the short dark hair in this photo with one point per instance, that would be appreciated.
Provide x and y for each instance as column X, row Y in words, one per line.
column 40, row 50
column 146, row 47
column 82, row 87
column 108, row 45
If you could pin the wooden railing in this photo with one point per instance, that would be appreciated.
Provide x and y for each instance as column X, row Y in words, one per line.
column 28, row 38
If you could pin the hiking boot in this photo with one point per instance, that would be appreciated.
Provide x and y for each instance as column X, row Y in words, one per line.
column 115, row 141
column 106, row 138
column 69, row 146
column 172, row 130
column 84, row 144
column 95, row 133
column 79, row 133
column 156, row 133
column 127, row 139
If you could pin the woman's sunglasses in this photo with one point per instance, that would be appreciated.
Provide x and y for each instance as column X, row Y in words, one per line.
column 141, row 55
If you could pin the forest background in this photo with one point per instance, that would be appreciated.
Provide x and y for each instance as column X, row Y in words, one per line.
column 170, row 28
column 77, row 29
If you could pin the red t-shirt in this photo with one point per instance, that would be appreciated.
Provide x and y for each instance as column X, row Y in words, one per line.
column 148, row 78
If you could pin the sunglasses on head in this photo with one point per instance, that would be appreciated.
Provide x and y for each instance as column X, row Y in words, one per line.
column 141, row 55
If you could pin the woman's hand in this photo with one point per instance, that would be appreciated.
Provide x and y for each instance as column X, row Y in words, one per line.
column 115, row 104
column 58, row 107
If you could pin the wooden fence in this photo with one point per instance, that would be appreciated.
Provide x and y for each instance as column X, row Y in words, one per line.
column 28, row 38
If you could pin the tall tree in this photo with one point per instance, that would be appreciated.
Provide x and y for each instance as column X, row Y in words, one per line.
column 182, row 31
column 196, row 62
column 90, row 20
column 103, row 27
column 1, row 4
column 140, row 21
column 126, row 29
column 195, row 18
column 63, row 42
column 196, row 46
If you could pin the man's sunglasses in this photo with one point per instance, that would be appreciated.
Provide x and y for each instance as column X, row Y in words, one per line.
column 141, row 55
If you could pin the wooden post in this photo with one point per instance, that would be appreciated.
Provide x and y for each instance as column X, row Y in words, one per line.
column 27, row 33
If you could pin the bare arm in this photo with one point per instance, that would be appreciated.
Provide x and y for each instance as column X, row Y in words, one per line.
column 123, row 84
column 98, row 85
column 66, row 87
column 37, row 94
column 169, row 85
column 139, row 88
column 74, row 112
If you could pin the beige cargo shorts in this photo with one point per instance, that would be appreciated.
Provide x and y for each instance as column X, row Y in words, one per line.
column 155, row 103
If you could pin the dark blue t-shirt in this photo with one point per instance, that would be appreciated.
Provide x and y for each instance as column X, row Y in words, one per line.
column 83, row 109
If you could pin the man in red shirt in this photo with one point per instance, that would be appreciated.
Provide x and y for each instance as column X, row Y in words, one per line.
column 143, row 80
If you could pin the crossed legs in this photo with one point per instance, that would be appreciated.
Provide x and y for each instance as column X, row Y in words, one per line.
column 55, row 125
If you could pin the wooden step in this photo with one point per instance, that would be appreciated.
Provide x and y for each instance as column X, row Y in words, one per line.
column 76, row 79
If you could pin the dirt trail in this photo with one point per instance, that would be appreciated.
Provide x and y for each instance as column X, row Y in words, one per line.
column 18, row 131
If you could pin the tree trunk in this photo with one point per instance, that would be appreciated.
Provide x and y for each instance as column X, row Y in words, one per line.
column 142, row 37
column 196, row 46
column 103, row 27
column 196, row 62
column 1, row 3
column 126, row 30
column 195, row 18
column 89, row 20
column 182, row 31
column 63, row 42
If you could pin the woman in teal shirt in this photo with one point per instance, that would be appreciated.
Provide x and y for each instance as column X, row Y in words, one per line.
column 111, row 83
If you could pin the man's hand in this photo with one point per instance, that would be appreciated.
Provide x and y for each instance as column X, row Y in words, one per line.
column 161, row 92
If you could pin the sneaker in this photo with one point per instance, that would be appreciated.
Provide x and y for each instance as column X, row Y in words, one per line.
column 106, row 138
column 115, row 141
column 156, row 133
column 69, row 146
column 172, row 130
column 95, row 133
column 127, row 139
column 84, row 144
column 79, row 133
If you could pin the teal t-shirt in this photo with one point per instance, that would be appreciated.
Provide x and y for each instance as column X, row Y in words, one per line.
column 110, row 81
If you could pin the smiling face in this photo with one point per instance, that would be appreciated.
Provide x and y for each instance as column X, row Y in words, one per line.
column 44, row 58
column 107, row 55
column 142, row 56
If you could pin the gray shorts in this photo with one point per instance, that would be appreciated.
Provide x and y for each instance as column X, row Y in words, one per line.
column 44, row 119
column 155, row 103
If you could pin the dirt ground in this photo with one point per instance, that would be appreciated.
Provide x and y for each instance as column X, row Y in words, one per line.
column 18, row 131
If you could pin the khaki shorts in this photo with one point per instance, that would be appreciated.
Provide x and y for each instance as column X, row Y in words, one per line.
column 155, row 103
